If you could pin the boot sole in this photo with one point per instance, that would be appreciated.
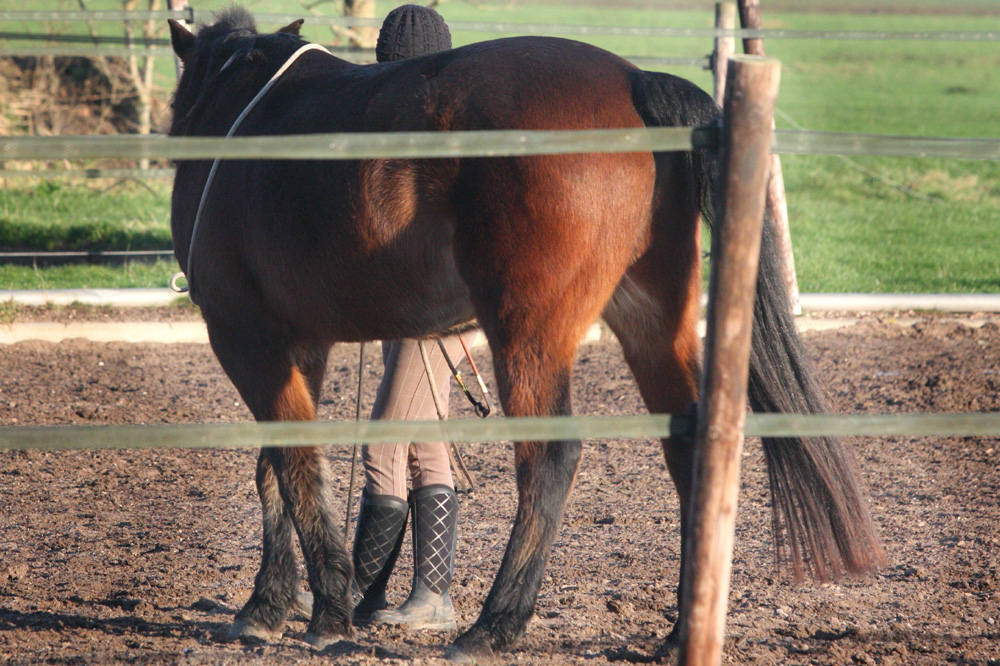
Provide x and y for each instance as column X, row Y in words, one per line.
column 439, row 624
column 433, row 626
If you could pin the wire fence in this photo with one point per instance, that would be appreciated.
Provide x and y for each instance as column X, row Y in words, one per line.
column 193, row 15
column 359, row 56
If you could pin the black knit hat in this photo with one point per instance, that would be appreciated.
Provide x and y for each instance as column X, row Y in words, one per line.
column 411, row 30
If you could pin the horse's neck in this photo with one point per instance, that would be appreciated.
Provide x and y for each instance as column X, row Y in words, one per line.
column 222, row 111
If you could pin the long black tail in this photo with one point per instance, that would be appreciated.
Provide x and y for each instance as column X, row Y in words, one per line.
column 816, row 486
column 820, row 516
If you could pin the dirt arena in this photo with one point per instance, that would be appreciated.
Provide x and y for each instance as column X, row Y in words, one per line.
column 143, row 557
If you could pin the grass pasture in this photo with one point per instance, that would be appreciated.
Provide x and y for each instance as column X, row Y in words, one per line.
column 863, row 224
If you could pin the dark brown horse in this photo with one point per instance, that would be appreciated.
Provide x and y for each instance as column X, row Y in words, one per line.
column 290, row 257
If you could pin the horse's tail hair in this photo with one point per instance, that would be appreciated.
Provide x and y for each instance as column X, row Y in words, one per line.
column 820, row 518
column 816, row 489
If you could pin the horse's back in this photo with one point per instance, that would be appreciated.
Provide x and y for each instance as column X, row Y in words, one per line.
column 533, row 83
column 511, row 83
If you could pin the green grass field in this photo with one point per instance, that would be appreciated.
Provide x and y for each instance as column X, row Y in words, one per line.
column 864, row 224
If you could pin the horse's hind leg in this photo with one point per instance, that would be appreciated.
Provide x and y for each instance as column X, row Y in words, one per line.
column 534, row 304
column 654, row 315
column 530, row 385
column 279, row 384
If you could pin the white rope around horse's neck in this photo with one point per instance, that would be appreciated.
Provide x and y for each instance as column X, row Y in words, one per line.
column 211, row 174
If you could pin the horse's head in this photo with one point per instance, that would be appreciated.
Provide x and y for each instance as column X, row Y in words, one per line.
column 226, row 56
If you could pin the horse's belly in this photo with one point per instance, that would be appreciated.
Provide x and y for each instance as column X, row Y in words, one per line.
column 384, row 298
column 427, row 305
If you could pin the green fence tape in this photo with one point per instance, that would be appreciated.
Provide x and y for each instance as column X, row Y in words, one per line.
column 478, row 144
column 87, row 173
column 884, row 425
column 847, row 143
column 338, row 433
column 357, row 145
column 482, row 430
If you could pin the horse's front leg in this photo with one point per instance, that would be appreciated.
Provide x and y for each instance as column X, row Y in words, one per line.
column 280, row 383
column 304, row 483
column 545, row 473
column 275, row 586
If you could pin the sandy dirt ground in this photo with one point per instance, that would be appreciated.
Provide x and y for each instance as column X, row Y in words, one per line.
column 140, row 557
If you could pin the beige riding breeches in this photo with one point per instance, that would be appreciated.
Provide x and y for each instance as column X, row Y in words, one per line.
column 405, row 393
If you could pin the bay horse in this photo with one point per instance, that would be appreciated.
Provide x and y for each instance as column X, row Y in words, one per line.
column 287, row 258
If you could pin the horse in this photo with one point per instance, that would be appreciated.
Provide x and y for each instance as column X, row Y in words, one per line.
column 287, row 258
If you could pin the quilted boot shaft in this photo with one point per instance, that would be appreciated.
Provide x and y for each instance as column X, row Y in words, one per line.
column 380, row 532
column 435, row 531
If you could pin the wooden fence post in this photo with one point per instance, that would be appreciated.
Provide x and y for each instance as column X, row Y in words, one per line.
column 725, row 47
column 777, row 205
column 752, row 88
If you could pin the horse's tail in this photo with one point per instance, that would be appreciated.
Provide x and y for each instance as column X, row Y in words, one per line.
column 816, row 488
column 820, row 516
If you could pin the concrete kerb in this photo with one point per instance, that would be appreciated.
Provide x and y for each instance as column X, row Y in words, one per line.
column 194, row 332
column 101, row 297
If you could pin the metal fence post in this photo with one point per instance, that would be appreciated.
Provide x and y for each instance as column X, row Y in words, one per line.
column 752, row 88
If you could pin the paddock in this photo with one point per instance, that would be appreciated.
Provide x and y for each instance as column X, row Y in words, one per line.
column 144, row 556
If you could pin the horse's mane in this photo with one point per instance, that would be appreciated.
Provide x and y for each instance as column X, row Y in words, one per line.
column 215, row 43
column 230, row 20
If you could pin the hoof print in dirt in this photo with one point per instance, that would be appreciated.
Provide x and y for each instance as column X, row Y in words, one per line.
column 212, row 607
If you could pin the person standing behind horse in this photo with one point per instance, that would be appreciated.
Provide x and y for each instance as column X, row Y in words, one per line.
column 405, row 393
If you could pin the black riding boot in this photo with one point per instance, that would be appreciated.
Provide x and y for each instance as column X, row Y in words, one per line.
column 381, row 527
column 435, row 529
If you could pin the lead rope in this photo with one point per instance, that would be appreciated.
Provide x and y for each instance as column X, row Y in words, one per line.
column 482, row 410
column 479, row 378
column 354, row 454
column 453, row 452
column 187, row 273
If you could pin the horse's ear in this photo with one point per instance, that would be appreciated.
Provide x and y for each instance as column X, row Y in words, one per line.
column 181, row 38
column 293, row 27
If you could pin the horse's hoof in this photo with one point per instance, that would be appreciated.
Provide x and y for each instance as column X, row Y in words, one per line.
column 321, row 642
column 241, row 630
column 668, row 649
column 462, row 655
column 302, row 605
column 665, row 653
column 469, row 649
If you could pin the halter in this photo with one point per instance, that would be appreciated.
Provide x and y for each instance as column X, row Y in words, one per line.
column 211, row 174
